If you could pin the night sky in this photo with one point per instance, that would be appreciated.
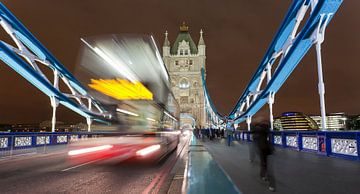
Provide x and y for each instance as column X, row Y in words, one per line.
column 237, row 34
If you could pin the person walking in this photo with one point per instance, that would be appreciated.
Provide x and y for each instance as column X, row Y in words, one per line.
column 229, row 134
column 252, row 147
column 264, row 149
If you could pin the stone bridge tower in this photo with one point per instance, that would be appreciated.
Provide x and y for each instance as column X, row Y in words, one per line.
column 184, row 60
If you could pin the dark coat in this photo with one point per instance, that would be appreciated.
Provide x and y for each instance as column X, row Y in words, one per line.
column 261, row 139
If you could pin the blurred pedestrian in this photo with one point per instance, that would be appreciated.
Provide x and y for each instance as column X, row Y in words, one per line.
column 252, row 146
column 264, row 149
column 196, row 132
column 229, row 134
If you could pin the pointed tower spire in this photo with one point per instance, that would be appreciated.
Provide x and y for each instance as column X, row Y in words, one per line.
column 201, row 40
column 166, row 41
column 166, row 45
column 201, row 44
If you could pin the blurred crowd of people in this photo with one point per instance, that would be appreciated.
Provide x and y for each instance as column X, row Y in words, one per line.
column 208, row 133
column 212, row 134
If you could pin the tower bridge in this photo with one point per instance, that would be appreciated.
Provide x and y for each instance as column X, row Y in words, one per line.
column 145, row 106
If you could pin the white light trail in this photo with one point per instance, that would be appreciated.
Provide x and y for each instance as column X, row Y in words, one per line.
column 126, row 112
column 170, row 116
column 150, row 119
column 88, row 150
column 148, row 150
column 159, row 58
column 116, row 65
column 170, row 132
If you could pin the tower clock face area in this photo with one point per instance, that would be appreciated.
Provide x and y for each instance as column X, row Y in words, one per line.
column 184, row 60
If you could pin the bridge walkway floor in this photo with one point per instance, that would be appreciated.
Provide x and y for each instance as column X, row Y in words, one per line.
column 295, row 172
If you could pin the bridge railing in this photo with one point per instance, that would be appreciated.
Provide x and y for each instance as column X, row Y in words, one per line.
column 328, row 143
column 25, row 142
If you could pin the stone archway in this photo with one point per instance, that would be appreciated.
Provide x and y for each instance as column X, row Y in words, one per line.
column 186, row 126
column 187, row 121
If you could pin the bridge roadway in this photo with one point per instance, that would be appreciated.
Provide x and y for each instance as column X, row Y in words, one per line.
column 295, row 172
column 53, row 173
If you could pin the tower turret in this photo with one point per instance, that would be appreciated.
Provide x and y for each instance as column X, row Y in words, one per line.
column 166, row 45
column 201, row 44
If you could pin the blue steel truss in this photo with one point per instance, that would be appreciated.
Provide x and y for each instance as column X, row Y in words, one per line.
column 33, row 52
column 289, row 45
column 213, row 115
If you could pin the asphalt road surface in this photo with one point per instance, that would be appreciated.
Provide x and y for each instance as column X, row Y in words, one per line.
column 54, row 173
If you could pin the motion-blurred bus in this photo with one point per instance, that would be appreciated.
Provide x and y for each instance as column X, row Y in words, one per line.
column 127, row 75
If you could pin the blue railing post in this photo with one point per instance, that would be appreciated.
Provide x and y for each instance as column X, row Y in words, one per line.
column 299, row 139
column 248, row 137
column 283, row 139
column 33, row 140
column 328, row 144
column 358, row 144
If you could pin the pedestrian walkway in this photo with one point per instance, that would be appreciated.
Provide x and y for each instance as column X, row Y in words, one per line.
column 204, row 174
column 295, row 172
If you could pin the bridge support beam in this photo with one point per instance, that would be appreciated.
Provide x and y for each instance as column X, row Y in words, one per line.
column 318, row 38
column 248, row 122
column 321, row 86
column 89, row 122
column 54, row 101
column 271, row 97
column 271, row 100
column 54, row 105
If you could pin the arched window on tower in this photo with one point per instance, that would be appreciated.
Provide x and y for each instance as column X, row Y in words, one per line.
column 184, row 83
column 183, row 48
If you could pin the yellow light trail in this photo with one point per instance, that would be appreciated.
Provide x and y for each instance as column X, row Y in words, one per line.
column 121, row 89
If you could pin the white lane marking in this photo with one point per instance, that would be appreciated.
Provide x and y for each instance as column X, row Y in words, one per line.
column 86, row 163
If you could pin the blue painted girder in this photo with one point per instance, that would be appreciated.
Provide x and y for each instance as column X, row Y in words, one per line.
column 23, row 68
column 37, row 48
column 276, row 45
column 300, row 47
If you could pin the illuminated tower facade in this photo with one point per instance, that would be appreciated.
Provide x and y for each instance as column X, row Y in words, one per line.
column 184, row 60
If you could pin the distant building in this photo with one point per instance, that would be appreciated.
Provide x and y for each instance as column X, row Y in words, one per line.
column 5, row 127
column 44, row 126
column 25, row 127
column 62, row 127
column 294, row 121
column 184, row 61
column 334, row 122
column 300, row 121
column 353, row 122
